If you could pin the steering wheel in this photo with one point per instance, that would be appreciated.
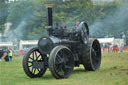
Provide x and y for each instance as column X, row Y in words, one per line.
column 84, row 32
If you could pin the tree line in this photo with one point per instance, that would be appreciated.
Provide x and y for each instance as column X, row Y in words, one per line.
column 33, row 14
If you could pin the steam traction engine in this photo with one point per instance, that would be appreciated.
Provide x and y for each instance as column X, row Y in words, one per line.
column 61, row 51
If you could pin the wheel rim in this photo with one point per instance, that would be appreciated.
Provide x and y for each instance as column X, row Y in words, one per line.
column 96, row 54
column 36, row 63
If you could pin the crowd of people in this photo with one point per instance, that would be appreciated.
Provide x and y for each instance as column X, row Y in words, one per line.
column 108, row 48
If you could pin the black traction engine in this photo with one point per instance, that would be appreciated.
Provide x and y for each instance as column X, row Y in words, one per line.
column 62, row 50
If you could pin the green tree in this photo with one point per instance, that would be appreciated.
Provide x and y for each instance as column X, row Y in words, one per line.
column 3, row 14
column 33, row 14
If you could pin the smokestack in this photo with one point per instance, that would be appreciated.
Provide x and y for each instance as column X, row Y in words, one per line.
column 49, row 14
column 49, row 19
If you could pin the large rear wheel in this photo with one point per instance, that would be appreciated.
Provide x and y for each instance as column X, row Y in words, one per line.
column 92, row 58
column 61, row 62
column 34, row 63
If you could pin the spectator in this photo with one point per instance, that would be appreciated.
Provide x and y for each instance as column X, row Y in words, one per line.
column 10, row 54
column 5, row 56
column 121, row 48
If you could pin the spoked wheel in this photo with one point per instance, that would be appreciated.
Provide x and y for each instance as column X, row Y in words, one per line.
column 61, row 62
column 84, row 32
column 92, row 59
column 34, row 63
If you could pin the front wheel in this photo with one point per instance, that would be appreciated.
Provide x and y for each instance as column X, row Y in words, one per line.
column 34, row 63
column 61, row 62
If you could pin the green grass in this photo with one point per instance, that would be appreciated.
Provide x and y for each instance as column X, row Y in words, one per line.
column 113, row 71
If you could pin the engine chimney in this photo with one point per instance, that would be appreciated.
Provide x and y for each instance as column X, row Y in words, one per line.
column 49, row 14
column 49, row 19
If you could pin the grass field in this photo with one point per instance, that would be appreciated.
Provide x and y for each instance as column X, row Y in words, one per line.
column 113, row 71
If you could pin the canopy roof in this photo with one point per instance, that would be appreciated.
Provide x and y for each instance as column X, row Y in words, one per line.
column 106, row 40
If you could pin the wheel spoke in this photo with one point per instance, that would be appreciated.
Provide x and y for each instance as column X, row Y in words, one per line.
column 59, row 60
column 31, row 58
column 30, row 66
column 67, row 68
column 38, row 69
column 38, row 56
column 94, row 45
column 33, row 55
column 58, row 68
column 34, row 71
column 29, row 61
